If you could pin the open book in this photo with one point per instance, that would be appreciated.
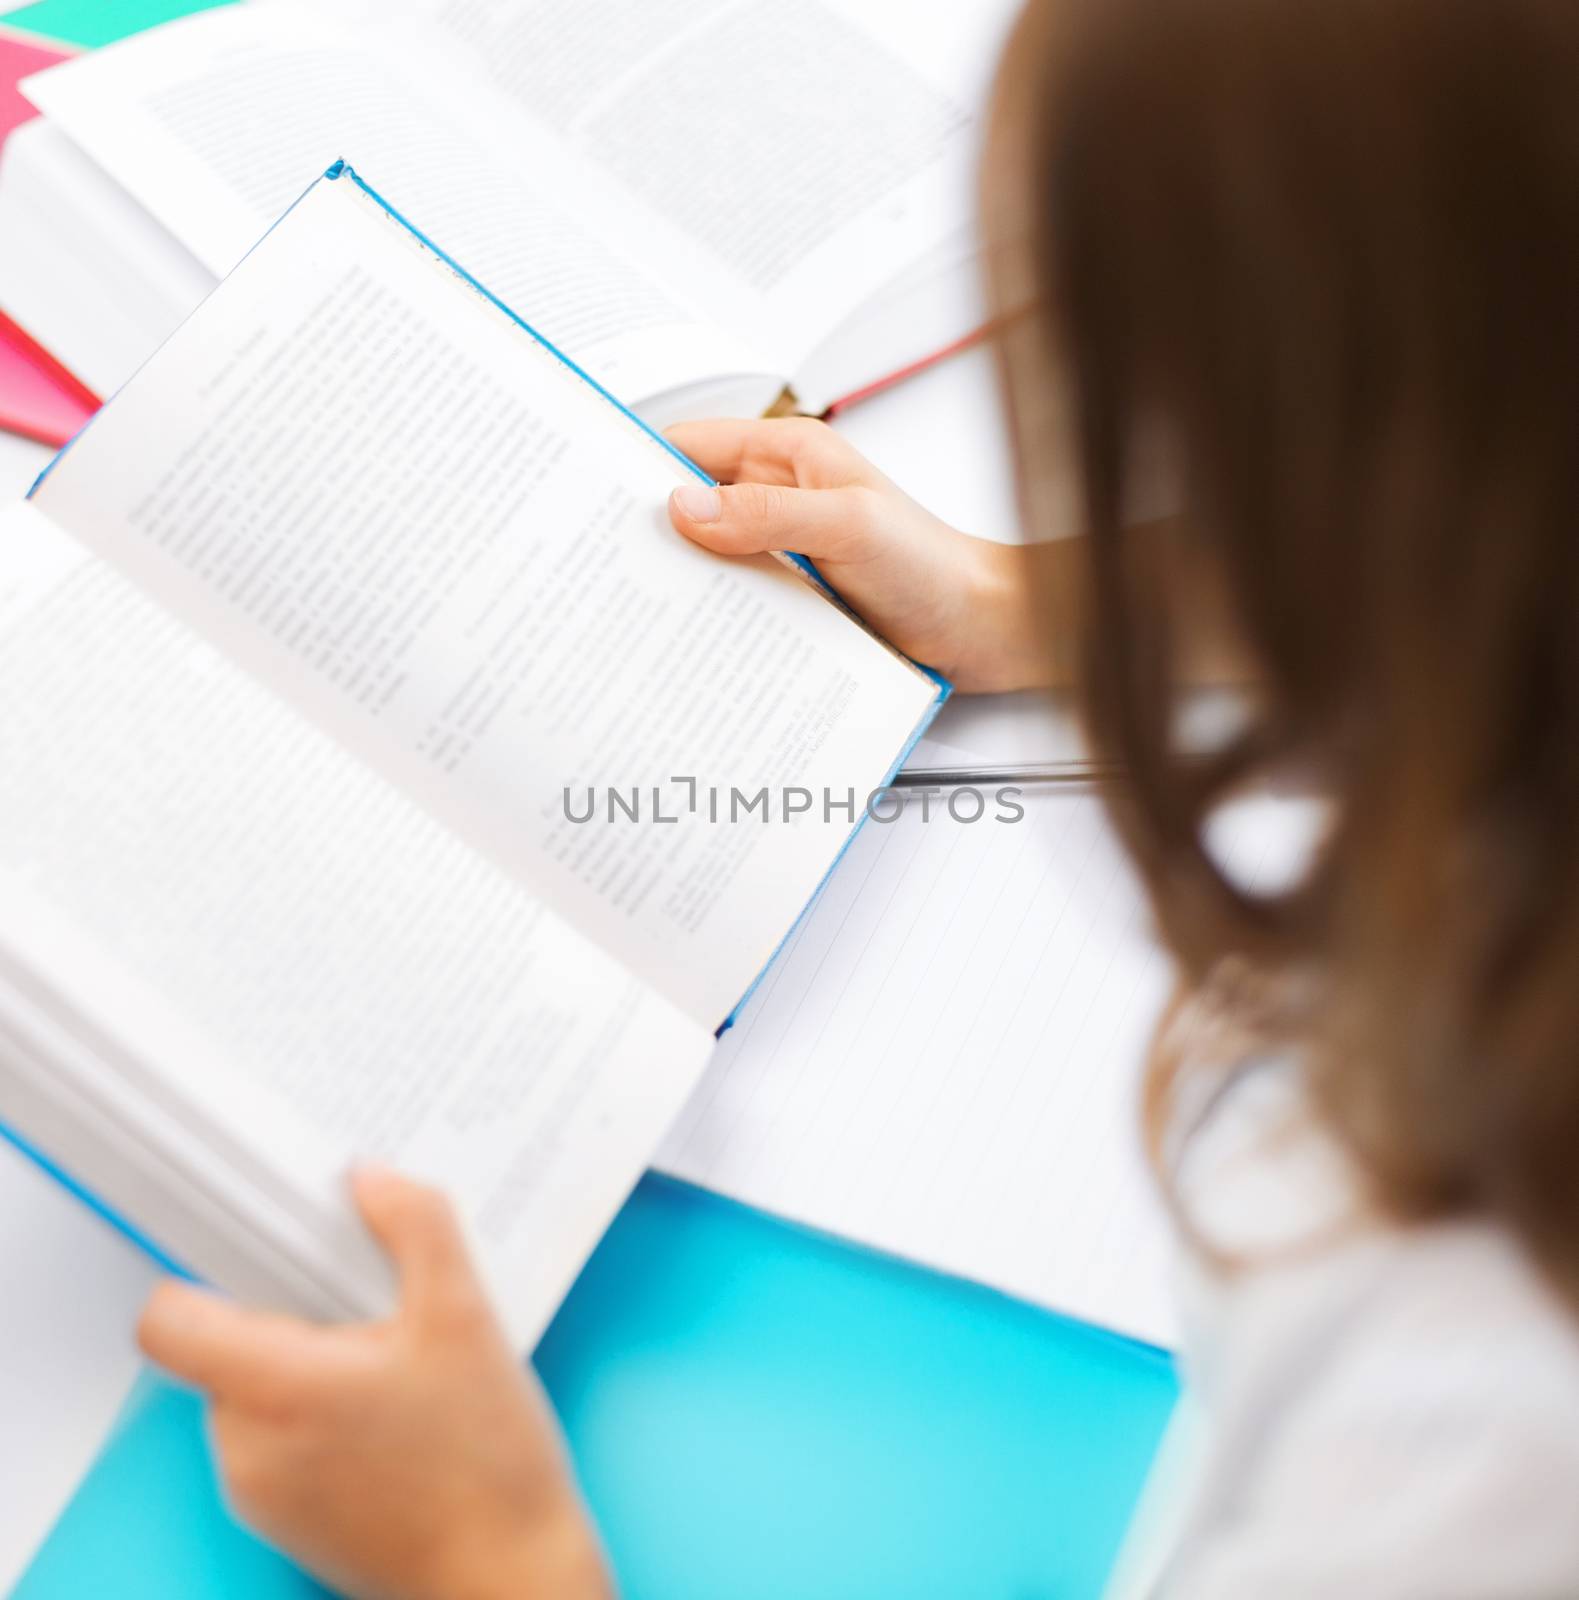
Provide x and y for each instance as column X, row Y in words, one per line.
column 703, row 201
column 326, row 652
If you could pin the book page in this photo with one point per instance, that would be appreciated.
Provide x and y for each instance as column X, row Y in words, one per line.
column 771, row 167
column 944, row 1063
column 298, row 966
column 807, row 154
column 361, row 479
column 218, row 123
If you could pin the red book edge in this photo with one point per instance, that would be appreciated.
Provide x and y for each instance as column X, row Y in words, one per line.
column 32, row 351
column 21, row 343
column 36, row 356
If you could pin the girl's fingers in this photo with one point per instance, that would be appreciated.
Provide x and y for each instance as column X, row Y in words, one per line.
column 259, row 1359
column 780, row 450
column 745, row 518
column 418, row 1227
column 215, row 1345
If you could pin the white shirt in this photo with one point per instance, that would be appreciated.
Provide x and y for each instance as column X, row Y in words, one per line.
column 1388, row 1412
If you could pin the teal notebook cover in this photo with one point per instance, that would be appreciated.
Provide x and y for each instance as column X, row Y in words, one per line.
column 757, row 1413
column 91, row 23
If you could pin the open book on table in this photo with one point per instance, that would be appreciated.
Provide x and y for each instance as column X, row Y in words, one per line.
column 702, row 201
column 316, row 647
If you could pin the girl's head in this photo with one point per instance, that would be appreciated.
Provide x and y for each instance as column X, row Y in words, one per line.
column 1319, row 261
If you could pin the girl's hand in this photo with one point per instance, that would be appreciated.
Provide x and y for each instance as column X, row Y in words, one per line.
column 961, row 605
column 409, row 1460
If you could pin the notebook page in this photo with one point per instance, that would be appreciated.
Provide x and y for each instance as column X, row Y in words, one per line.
column 361, row 479
column 217, row 123
column 295, row 964
column 944, row 1061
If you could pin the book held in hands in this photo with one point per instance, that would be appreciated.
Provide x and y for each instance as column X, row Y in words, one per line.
column 302, row 643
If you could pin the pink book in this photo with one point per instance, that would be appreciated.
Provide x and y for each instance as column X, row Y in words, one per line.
column 38, row 397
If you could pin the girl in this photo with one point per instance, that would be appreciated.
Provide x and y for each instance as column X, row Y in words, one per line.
column 1317, row 262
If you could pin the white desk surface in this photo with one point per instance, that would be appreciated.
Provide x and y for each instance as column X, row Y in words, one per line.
column 72, row 1288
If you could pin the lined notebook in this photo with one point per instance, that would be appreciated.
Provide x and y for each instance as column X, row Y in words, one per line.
column 944, row 1061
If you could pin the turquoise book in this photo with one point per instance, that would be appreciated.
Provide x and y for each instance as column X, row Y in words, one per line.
column 385, row 778
column 92, row 23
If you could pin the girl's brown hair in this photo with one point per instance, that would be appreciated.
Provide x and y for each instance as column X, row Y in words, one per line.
column 1321, row 258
